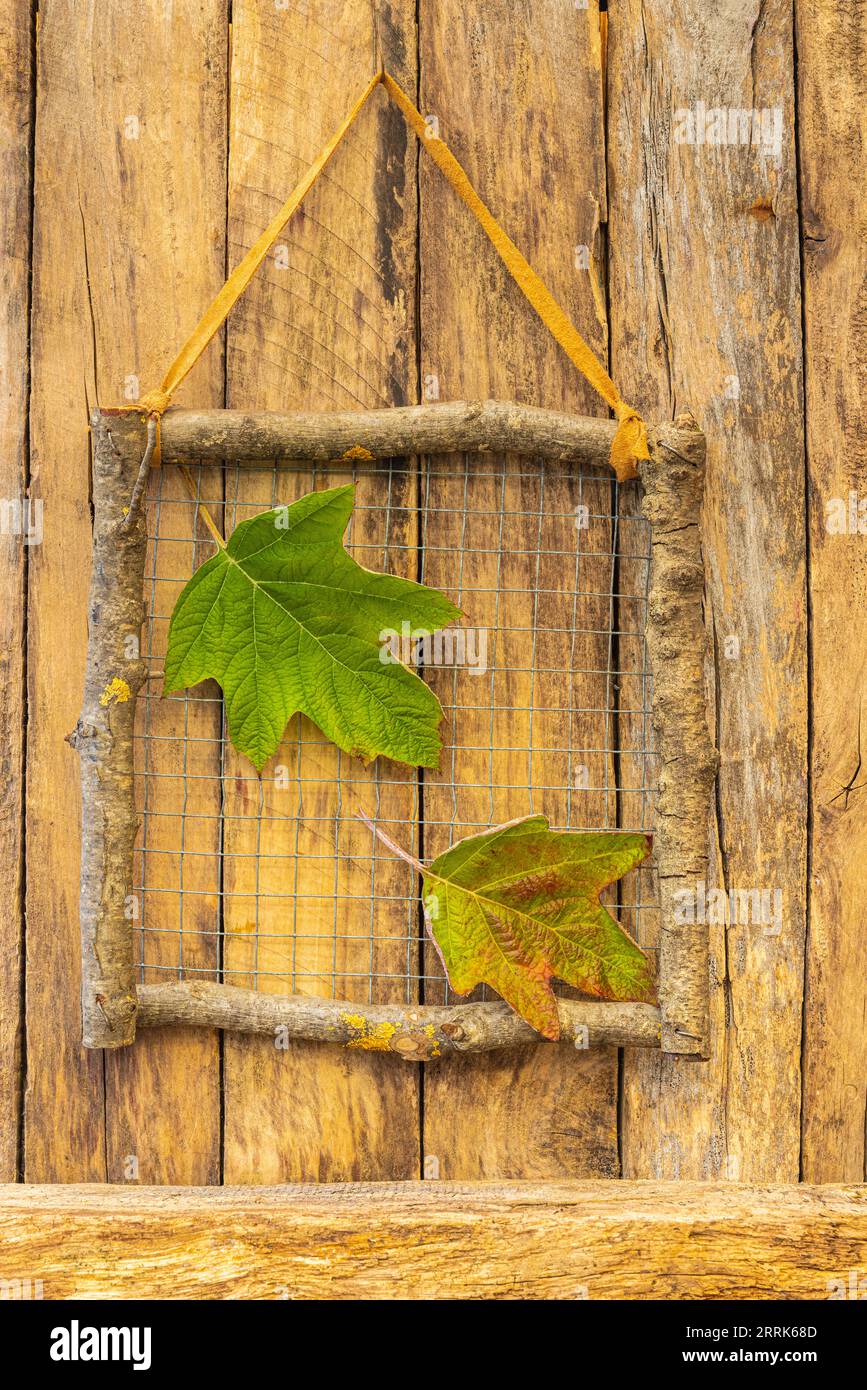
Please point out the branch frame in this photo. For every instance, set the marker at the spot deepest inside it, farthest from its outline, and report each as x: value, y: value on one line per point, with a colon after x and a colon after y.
x: 672, y: 480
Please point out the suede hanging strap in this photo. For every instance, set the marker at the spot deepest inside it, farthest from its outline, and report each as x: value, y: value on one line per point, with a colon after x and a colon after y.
x: 630, y: 441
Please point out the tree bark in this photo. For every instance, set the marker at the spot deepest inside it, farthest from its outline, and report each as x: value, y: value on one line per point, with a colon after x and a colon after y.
x: 103, y: 736
x: 673, y: 481
x: 416, y: 1033
x: 480, y: 427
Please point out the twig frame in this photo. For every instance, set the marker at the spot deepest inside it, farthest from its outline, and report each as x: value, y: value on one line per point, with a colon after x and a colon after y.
x: 672, y: 482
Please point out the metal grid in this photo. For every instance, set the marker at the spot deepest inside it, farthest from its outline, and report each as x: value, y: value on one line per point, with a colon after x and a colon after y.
x: 275, y: 884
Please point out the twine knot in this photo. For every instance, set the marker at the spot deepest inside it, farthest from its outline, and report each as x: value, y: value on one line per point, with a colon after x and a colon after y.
x: 155, y: 402
x: 629, y: 444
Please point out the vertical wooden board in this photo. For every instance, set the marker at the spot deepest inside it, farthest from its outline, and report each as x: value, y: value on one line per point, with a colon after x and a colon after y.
x: 128, y: 248
x: 518, y: 98
x: 20, y: 529
x: 705, y: 314
x: 832, y: 90
x: 163, y: 1095
x: 176, y: 867
x: 327, y: 323
x: 64, y: 1130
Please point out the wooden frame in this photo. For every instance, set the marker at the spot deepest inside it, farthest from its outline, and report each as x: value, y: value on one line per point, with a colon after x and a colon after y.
x: 428, y: 1240
x: 672, y: 481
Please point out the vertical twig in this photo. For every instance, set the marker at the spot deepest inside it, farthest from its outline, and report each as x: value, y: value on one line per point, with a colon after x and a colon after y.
x: 103, y: 736
x: 673, y: 486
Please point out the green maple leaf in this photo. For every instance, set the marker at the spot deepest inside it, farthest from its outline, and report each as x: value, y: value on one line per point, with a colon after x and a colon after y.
x: 285, y: 620
x: 519, y: 904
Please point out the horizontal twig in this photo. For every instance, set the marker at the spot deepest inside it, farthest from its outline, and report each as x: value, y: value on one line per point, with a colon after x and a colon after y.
x: 479, y: 427
x: 416, y: 1033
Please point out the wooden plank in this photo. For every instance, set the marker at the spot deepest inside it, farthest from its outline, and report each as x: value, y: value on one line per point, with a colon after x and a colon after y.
x: 420, y: 1241
x: 64, y: 1130
x: 163, y: 1094
x: 510, y: 92
x: 328, y: 323
x: 128, y: 247
x: 705, y: 314
x: 832, y: 127
x: 19, y: 526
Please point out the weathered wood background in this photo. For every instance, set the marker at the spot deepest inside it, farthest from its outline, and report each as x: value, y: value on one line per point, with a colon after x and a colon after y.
x: 424, y: 1240
x: 142, y: 148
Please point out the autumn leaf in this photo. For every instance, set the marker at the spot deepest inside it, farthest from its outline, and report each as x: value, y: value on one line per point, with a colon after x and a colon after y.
x: 519, y: 904
x: 285, y: 620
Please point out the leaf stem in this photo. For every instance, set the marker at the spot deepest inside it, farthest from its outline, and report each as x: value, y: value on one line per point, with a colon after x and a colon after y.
x: 203, y: 511
x: 395, y: 848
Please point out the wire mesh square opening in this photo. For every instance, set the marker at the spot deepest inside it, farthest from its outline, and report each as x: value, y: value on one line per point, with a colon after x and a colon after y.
x: 274, y: 884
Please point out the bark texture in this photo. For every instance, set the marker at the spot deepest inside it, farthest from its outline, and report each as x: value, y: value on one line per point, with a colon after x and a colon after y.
x: 416, y: 1033
x: 103, y: 735
x: 673, y: 481
x: 480, y: 427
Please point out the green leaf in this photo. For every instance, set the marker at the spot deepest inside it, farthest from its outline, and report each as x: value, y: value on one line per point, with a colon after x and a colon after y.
x: 519, y: 904
x: 285, y: 620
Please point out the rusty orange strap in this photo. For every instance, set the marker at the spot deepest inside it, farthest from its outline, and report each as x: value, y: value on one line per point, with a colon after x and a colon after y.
x: 630, y: 441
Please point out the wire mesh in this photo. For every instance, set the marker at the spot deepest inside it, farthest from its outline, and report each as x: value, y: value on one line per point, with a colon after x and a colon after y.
x: 274, y: 883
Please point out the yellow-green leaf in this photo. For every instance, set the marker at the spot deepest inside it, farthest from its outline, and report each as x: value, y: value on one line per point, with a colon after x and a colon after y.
x: 519, y: 904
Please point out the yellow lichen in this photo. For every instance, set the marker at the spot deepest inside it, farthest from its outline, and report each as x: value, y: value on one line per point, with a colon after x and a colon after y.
x: 358, y: 451
x: 117, y: 690
x: 355, y: 1020
x: 374, y: 1037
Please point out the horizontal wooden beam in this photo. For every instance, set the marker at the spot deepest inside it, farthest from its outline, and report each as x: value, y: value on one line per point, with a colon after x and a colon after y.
x: 431, y: 1240
x: 417, y: 1033
x: 479, y: 427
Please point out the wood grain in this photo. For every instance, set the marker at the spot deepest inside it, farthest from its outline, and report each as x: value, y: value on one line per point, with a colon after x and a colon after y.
x: 429, y: 1241
x: 704, y: 293
x: 705, y: 314
x: 128, y: 245
x: 328, y: 323
x: 163, y: 1099
x: 510, y: 89
x: 64, y: 1104
x: 16, y: 130
x: 832, y: 124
